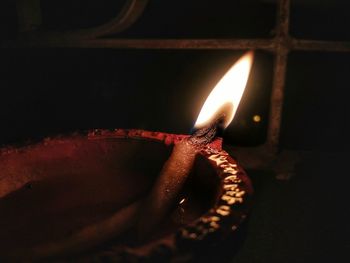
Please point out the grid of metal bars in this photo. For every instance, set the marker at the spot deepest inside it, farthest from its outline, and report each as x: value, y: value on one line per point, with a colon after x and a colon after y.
x: 280, y: 45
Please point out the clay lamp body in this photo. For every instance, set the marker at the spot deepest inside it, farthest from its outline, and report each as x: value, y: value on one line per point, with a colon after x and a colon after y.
x: 80, y: 197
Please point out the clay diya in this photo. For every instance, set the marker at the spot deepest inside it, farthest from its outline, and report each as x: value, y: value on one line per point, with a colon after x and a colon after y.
x: 126, y: 195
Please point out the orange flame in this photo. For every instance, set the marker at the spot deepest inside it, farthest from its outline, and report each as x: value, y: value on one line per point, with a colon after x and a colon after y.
x: 228, y: 91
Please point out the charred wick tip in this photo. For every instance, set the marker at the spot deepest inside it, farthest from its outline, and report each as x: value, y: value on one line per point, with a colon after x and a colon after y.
x: 207, y: 134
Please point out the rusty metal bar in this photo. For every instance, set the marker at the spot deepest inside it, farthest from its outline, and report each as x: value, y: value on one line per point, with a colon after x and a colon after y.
x: 279, y: 75
x: 318, y: 45
x: 282, y: 23
x: 234, y: 44
x: 214, y: 44
x: 229, y: 44
x: 276, y: 100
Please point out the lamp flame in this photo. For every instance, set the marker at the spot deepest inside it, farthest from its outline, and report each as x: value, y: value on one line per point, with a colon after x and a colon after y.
x: 227, y: 92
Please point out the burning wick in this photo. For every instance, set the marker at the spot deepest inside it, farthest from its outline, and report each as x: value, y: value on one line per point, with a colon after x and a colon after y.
x: 216, y: 114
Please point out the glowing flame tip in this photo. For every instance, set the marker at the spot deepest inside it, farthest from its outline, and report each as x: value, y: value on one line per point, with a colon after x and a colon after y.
x: 228, y: 91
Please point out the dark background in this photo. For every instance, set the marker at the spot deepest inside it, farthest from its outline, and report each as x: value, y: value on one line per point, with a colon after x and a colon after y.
x: 45, y: 92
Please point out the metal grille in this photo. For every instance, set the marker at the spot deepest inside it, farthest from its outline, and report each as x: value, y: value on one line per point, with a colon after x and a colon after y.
x: 280, y: 45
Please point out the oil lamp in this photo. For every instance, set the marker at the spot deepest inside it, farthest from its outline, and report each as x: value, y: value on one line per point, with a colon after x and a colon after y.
x: 127, y: 195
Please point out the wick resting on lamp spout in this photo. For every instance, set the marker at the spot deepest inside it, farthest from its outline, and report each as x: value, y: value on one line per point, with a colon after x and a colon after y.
x: 214, y: 128
x: 216, y: 114
x: 174, y: 174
